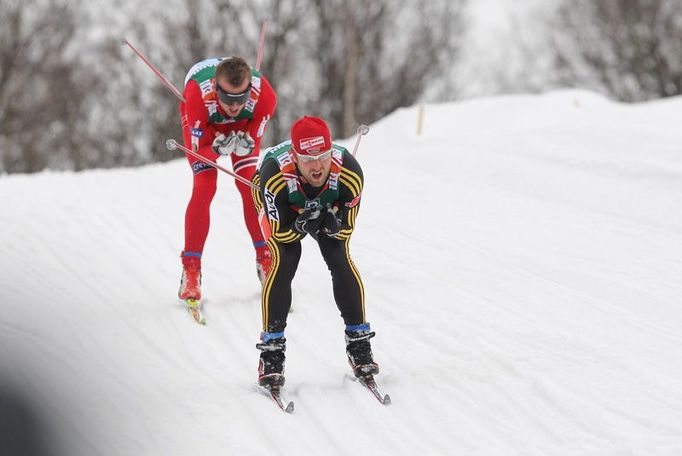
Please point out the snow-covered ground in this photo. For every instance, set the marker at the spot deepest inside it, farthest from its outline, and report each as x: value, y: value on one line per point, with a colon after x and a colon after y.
x: 522, y: 262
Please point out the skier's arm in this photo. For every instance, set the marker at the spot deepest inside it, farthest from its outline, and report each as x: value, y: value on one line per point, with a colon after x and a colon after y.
x: 275, y: 199
x: 195, y: 129
x: 351, y: 182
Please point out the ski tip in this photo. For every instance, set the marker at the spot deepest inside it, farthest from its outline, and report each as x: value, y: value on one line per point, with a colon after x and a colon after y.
x: 194, y: 308
x: 199, y: 320
x: 289, y: 408
x: 386, y: 400
x: 198, y: 317
x: 275, y: 393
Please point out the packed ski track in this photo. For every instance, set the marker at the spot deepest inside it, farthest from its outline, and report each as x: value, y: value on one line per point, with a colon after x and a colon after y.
x: 522, y: 264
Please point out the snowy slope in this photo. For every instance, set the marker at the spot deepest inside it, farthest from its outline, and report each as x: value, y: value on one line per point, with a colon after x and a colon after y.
x: 523, y: 280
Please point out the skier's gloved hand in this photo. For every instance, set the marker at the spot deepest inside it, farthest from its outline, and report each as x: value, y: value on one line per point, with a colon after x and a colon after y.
x: 245, y: 144
x: 331, y: 224
x: 309, y: 221
x: 225, y: 145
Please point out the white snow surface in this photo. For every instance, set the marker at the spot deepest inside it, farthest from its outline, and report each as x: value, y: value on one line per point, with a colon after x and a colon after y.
x: 522, y: 261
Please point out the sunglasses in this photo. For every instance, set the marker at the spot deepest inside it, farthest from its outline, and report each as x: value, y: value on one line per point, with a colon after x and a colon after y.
x: 233, y: 98
x: 312, y: 158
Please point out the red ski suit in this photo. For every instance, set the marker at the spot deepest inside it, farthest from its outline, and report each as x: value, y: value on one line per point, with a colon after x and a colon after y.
x: 197, y: 128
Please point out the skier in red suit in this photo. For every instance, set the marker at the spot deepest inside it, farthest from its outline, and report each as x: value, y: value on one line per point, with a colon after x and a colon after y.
x: 227, y: 107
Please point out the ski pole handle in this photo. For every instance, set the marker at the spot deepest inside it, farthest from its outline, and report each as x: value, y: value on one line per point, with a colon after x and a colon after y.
x: 362, y: 131
x: 172, y: 144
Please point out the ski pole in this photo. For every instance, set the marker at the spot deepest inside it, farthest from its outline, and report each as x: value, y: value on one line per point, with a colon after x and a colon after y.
x: 362, y: 130
x: 261, y: 40
x: 172, y: 144
x: 164, y: 79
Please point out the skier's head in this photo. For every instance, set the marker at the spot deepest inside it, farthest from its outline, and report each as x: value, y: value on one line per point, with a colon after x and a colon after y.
x: 311, y: 145
x: 233, y: 84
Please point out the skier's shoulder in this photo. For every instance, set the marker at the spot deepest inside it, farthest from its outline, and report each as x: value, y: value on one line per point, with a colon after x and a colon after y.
x: 204, y: 69
x: 279, y: 153
x: 274, y: 159
x: 349, y: 163
x: 268, y: 169
x: 267, y: 98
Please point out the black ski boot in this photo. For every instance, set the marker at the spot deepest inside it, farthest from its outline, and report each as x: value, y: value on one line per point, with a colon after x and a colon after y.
x: 271, y: 365
x: 359, y: 351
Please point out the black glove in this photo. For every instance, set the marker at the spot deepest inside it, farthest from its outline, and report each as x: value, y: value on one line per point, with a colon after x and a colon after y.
x: 309, y: 221
x: 331, y: 225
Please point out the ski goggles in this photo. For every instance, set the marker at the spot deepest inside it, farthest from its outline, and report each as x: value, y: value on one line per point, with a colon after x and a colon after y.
x: 233, y: 98
x: 312, y: 158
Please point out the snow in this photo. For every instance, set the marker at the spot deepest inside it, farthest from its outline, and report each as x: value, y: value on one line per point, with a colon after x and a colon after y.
x: 521, y: 261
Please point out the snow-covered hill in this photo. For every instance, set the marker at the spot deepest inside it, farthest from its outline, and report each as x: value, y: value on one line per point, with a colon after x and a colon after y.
x: 522, y: 263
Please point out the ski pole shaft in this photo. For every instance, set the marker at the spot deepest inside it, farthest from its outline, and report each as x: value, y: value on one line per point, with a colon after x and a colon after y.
x: 261, y: 41
x: 163, y: 78
x: 172, y: 144
x: 362, y: 131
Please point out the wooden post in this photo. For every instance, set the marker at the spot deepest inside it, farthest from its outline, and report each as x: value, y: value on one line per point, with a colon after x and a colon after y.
x: 420, y: 120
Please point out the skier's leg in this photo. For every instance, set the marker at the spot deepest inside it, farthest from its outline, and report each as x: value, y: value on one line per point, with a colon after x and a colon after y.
x: 246, y: 167
x: 349, y: 292
x: 276, y: 301
x: 197, y: 221
x: 276, y: 296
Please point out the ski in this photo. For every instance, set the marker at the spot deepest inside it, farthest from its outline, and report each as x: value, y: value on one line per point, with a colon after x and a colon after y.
x: 194, y: 309
x: 275, y: 393
x: 368, y: 382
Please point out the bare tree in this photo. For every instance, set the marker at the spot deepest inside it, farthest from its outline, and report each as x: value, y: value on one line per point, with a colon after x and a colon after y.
x: 41, y: 86
x: 374, y: 57
x: 74, y: 97
x: 627, y: 48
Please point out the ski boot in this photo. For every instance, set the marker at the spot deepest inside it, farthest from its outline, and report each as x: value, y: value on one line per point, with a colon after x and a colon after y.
x: 359, y: 350
x: 190, y: 282
x: 271, y: 364
x: 190, y: 287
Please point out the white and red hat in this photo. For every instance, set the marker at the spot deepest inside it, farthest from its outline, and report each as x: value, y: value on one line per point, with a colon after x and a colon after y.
x: 310, y: 136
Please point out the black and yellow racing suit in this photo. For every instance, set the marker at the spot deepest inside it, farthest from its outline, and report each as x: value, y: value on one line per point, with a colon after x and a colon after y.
x: 282, y: 206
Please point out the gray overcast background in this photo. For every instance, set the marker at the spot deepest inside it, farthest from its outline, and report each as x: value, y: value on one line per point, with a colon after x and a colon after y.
x: 73, y: 97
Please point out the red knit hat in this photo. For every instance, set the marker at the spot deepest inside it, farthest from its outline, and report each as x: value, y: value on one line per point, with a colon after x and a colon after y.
x: 310, y: 136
